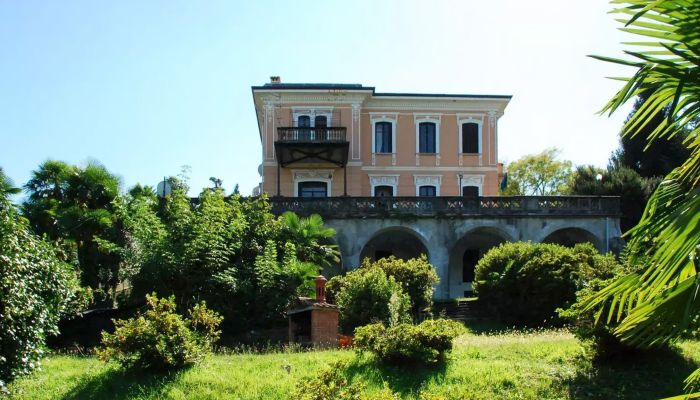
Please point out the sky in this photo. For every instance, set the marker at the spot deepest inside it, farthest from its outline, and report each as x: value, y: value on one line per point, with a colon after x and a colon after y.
x: 145, y: 87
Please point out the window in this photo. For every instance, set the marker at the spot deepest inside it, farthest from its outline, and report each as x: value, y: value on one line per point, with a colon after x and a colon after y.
x: 313, y: 189
x: 426, y: 137
x: 382, y: 138
x: 383, y: 191
x: 304, y: 121
x: 470, y: 191
x: 470, y: 138
x: 469, y: 261
x: 321, y: 121
x: 427, y: 191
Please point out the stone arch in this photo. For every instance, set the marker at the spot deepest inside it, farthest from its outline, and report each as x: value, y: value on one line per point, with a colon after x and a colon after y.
x: 399, y: 241
x: 572, y: 236
x: 466, y: 252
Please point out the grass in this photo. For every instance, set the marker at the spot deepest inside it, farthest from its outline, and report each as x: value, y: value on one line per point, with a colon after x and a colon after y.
x: 511, y: 365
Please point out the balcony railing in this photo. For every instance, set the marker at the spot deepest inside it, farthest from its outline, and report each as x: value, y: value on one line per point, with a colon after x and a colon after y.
x: 315, y: 134
x: 449, y: 207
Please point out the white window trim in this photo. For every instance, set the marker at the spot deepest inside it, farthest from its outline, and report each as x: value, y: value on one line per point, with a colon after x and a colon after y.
x: 384, y: 180
x: 471, y: 180
x: 479, y: 123
x: 384, y: 117
x: 312, y: 113
x: 316, y: 175
x: 420, y: 118
x: 427, y: 180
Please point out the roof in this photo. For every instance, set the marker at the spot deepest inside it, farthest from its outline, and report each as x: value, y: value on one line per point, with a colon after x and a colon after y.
x: 357, y: 86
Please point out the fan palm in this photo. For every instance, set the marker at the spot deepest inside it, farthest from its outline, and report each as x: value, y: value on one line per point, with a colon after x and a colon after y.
x: 312, y: 238
x: 656, y: 305
x: 7, y: 187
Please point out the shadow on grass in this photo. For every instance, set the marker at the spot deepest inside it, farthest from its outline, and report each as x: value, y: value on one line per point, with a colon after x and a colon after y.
x: 119, y: 384
x: 403, y: 379
x: 652, y: 375
x: 486, y: 326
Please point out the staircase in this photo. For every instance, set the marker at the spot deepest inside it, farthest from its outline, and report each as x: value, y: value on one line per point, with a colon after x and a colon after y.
x: 460, y: 310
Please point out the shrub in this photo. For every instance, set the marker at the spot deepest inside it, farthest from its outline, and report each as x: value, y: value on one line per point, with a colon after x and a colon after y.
x: 331, y: 384
x: 161, y: 339
x: 524, y: 283
x: 416, y: 277
x: 596, y: 334
x: 368, y: 295
x: 424, y: 343
x: 36, y: 289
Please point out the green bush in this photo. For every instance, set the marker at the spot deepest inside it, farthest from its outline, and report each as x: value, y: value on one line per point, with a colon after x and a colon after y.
x: 161, y: 339
x: 424, y: 343
x: 416, y: 277
x: 525, y: 283
x: 368, y: 295
x: 331, y: 384
x: 595, y: 333
x: 36, y: 289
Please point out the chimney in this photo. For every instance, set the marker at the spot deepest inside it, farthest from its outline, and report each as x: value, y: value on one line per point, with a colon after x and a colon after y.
x: 275, y: 80
x: 321, y: 289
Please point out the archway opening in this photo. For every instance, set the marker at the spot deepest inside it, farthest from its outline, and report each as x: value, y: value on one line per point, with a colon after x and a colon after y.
x: 466, y: 254
x: 570, y: 237
x: 399, y: 243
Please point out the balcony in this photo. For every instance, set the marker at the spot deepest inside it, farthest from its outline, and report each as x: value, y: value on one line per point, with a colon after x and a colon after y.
x: 449, y: 207
x: 312, y: 145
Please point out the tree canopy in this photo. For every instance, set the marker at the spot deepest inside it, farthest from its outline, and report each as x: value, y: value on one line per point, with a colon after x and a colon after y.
x: 538, y: 175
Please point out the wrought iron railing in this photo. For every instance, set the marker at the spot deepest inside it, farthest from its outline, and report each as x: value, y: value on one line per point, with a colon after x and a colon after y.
x: 312, y: 134
x: 383, y: 207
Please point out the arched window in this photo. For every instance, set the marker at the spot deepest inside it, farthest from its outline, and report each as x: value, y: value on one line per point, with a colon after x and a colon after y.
x: 321, y: 121
x: 470, y: 191
x: 304, y: 121
x: 313, y: 189
x: 470, y: 138
x: 383, y: 191
x: 426, y: 137
x: 383, y: 138
x: 427, y: 191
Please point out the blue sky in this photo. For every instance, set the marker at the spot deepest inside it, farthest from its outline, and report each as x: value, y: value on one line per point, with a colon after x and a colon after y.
x: 148, y: 86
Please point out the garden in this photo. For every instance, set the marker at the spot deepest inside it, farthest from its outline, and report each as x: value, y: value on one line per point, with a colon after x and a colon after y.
x: 193, y: 289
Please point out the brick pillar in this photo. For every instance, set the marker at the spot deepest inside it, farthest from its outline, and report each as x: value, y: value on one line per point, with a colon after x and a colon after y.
x: 324, y: 327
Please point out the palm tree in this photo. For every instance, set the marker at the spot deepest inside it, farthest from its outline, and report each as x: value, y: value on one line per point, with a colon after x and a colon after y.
x: 7, y: 187
x: 312, y: 239
x: 658, y: 304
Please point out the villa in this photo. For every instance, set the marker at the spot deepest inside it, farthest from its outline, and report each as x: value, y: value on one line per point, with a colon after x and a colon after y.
x: 409, y: 173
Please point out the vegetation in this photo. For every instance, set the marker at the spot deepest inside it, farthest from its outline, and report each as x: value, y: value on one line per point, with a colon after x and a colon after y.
x: 633, y: 189
x: 513, y: 365
x: 416, y: 276
x: 160, y: 339
x: 525, y: 283
x: 368, y: 295
x: 36, y: 289
x: 659, y: 303
x: 72, y: 206
x: 538, y: 175
x: 427, y: 342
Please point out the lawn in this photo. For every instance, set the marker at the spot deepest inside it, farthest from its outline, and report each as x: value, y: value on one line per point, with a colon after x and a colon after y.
x: 516, y: 365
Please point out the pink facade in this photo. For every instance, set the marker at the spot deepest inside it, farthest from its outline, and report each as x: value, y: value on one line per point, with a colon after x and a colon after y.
x: 390, y: 143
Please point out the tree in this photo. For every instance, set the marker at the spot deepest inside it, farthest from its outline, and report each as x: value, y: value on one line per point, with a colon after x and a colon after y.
x: 312, y: 238
x: 634, y: 190
x: 7, y: 187
x: 658, y: 304
x: 649, y: 157
x: 538, y: 175
x: 73, y: 207
x: 36, y: 289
